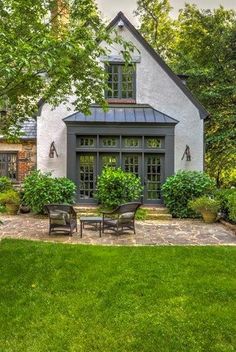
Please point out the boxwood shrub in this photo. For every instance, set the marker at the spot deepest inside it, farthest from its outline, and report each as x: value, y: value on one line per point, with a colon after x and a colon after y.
x: 41, y: 188
x: 116, y: 187
x: 179, y: 189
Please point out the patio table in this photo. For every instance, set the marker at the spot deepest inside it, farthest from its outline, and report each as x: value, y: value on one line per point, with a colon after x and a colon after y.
x: 92, y: 220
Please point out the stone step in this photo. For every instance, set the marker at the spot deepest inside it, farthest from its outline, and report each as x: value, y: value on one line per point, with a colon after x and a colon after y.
x: 161, y: 210
x: 152, y: 213
x: 158, y: 217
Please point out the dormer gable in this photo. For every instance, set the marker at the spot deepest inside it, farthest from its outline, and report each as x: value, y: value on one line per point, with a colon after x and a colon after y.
x: 120, y: 22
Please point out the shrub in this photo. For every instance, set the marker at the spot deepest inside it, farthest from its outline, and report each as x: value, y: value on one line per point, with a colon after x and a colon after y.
x: 115, y: 187
x: 41, y: 188
x: 2, y: 209
x: 10, y: 197
x: 179, y: 189
x: 5, y: 184
x: 205, y: 204
x: 232, y: 207
x: 227, y: 198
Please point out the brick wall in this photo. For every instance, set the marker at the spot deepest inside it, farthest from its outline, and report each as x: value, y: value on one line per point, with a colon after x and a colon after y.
x: 26, y: 154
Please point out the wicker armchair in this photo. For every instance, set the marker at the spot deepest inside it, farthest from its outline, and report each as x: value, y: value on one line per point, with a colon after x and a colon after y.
x: 120, y: 218
x: 62, y: 218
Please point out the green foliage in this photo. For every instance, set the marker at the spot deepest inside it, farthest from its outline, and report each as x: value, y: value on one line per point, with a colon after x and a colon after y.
x: 50, y: 57
x: 141, y: 214
x: 2, y: 210
x: 41, y: 189
x: 207, y: 54
x: 227, y: 198
x: 10, y: 197
x: 204, y: 204
x: 203, y: 47
x: 116, y: 187
x: 232, y: 207
x: 5, y: 184
x: 157, y: 26
x: 179, y: 189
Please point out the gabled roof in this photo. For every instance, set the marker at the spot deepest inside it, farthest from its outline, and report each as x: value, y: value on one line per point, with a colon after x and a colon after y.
x: 133, y: 113
x: 29, y: 129
x: 120, y: 16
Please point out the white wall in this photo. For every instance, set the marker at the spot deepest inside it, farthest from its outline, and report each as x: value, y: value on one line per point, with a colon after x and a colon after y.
x: 154, y: 87
x: 50, y: 127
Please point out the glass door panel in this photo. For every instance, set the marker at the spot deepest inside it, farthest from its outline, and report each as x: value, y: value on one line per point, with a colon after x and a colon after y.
x: 153, y: 178
x: 87, y: 176
x: 109, y: 160
x: 131, y: 163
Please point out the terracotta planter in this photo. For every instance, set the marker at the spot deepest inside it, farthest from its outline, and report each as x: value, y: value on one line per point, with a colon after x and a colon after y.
x: 12, y: 209
x: 24, y: 209
x: 209, y: 217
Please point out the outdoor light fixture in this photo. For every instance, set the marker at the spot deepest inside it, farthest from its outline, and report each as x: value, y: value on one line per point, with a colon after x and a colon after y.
x: 121, y: 24
x: 52, y: 150
x: 187, y: 153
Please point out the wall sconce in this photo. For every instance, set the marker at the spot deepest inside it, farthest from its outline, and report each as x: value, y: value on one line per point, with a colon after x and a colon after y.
x: 187, y: 153
x: 52, y: 150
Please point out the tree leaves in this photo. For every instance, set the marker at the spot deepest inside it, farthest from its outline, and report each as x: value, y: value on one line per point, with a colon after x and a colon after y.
x: 44, y: 56
x: 204, y: 47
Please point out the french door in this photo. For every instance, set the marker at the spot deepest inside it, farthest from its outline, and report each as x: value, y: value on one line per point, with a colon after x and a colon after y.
x: 150, y: 169
x: 132, y: 163
x: 108, y: 160
x: 87, y: 177
x: 153, y: 178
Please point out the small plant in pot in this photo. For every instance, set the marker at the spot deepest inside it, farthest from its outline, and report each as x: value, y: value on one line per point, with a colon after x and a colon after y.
x: 207, y: 207
x: 11, y: 200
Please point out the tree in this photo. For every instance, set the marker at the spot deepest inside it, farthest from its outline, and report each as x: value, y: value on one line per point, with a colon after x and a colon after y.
x: 157, y: 27
x: 48, y: 52
x: 206, y: 50
x: 203, y: 47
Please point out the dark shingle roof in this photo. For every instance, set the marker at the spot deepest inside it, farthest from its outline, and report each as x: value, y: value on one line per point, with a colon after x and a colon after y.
x: 123, y: 114
x: 29, y: 129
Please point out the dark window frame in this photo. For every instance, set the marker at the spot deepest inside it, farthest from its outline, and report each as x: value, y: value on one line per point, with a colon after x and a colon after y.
x: 119, y: 73
x: 15, y: 153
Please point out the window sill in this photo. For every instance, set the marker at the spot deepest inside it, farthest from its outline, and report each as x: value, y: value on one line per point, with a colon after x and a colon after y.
x: 121, y: 101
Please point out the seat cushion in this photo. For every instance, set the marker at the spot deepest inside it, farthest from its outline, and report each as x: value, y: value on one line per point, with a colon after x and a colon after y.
x: 126, y: 217
x: 59, y: 217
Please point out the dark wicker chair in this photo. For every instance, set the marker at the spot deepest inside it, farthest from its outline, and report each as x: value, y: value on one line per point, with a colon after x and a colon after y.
x: 120, y: 218
x: 62, y: 218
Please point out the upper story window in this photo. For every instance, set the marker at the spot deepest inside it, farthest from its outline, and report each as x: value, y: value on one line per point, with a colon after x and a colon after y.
x: 121, y: 82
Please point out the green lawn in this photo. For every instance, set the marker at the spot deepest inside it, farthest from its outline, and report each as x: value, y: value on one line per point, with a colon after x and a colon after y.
x: 57, y: 297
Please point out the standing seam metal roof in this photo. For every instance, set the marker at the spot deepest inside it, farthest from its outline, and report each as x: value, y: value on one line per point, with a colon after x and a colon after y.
x: 122, y: 114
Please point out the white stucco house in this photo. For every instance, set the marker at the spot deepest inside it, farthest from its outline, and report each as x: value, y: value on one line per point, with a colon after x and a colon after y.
x: 152, y: 117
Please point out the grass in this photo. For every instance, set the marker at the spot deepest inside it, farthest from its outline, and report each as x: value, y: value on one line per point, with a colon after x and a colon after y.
x: 56, y: 297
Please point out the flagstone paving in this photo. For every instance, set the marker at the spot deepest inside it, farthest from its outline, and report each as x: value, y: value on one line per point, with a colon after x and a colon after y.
x: 149, y: 232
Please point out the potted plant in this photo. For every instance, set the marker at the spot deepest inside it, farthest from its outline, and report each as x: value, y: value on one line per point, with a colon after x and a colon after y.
x: 11, y: 200
x: 207, y: 207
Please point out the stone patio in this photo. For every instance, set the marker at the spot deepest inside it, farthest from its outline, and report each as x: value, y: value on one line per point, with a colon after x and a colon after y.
x: 149, y: 232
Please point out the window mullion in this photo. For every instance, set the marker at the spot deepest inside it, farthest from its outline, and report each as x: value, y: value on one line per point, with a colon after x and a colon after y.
x: 120, y: 81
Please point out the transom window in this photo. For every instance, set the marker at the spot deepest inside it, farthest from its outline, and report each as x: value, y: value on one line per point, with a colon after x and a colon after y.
x: 121, y: 82
x: 8, y: 165
x: 109, y: 142
x: 153, y: 143
x: 132, y: 142
x: 87, y: 142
